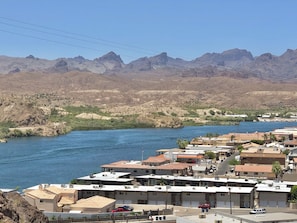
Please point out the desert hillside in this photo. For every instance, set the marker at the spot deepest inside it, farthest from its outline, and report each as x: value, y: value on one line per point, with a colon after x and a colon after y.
x: 155, y: 92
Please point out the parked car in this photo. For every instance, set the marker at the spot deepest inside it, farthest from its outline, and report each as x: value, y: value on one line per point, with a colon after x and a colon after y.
x: 128, y: 208
x: 118, y: 209
x: 123, y: 208
x: 258, y: 211
x: 204, y: 206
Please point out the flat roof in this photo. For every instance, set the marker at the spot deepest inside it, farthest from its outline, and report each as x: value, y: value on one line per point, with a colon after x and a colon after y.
x: 138, y: 165
x: 108, y: 176
x: 198, y: 179
x: 166, y: 188
x: 273, y: 187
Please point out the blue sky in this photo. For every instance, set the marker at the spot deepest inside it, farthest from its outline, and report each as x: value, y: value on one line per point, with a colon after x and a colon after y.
x: 138, y: 28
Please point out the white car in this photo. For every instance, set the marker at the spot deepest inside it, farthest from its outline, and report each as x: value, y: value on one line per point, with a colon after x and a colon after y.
x: 258, y: 211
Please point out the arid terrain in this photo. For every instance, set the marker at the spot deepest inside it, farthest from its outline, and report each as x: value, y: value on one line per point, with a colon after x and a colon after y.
x: 164, y: 96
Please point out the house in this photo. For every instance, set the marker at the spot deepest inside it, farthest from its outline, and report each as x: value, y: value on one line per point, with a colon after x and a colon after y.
x: 43, y: 200
x: 94, y: 204
x: 156, y: 160
x: 138, y: 168
x: 51, y: 198
x: 221, y: 152
x: 241, y: 138
x: 261, y: 157
x: 290, y: 143
x: 189, y: 158
x: 286, y: 133
x: 255, y: 171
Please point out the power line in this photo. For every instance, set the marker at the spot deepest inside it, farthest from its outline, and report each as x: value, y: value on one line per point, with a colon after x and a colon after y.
x: 48, y: 40
x: 71, y: 35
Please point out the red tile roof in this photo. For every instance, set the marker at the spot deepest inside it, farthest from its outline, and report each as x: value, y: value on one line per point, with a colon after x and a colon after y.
x: 253, y: 168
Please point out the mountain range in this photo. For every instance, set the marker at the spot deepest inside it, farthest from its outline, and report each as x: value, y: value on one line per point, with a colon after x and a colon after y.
x: 233, y: 63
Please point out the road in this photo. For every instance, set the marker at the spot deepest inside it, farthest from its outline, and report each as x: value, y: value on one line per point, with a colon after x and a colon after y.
x: 223, y: 167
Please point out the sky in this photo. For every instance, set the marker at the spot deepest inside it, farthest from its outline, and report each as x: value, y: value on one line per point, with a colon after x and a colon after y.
x: 185, y: 29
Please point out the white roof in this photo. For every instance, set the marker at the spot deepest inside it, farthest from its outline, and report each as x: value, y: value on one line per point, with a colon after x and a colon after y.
x: 273, y: 187
x: 166, y: 188
x: 108, y: 176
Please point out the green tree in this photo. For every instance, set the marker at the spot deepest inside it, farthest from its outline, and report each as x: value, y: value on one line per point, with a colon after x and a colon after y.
x: 276, y: 169
x: 182, y: 143
x: 210, y: 155
x: 272, y: 137
x: 240, y: 148
x: 234, y: 162
x: 286, y: 151
x: 265, y: 137
x: 211, y: 135
x: 232, y: 138
x: 294, y: 193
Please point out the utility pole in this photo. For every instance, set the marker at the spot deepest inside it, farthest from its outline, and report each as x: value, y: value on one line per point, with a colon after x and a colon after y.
x: 230, y: 200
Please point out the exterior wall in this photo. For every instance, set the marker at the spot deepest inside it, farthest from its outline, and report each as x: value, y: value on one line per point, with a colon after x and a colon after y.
x: 270, y: 199
x: 262, y: 160
x: 223, y: 200
x: 246, y: 201
x: 130, y: 197
x: 158, y: 198
x: 192, y: 199
x: 186, y: 199
x: 90, y: 193
x: 30, y: 200
x: 107, y: 208
x: 71, y: 196
x: 255, y: 174
x: 42, y: 204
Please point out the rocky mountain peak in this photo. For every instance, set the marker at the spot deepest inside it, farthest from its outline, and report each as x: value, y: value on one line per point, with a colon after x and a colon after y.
x: 290, y: 55
x: 160, y: 59
x: 237, y: 54
x: 111, y: 56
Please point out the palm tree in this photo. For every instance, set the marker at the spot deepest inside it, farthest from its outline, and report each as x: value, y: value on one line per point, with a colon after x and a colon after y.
x: 232, y: 138
x: 276, y: 169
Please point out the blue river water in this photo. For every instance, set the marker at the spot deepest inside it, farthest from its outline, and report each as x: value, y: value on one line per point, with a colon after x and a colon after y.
x: 25, y: 162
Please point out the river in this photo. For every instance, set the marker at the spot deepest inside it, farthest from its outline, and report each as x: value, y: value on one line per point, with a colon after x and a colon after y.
x: 29, y: 161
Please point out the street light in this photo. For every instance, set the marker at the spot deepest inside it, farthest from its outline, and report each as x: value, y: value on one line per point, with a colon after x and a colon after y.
x: 230, y: 200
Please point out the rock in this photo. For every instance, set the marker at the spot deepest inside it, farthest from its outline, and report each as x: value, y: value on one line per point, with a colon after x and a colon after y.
x: 14, y: 209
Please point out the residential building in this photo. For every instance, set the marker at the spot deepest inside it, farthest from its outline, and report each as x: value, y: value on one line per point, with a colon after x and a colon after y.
x: 51, y: 198
x: 255, y: 171
x: 106, y: 178
x: 262, y: 157
x: 94, y: 204
x: 138, y: 168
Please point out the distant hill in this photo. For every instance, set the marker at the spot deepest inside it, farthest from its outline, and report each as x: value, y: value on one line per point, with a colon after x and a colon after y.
x: 157, y: 91
x: 235, y: 62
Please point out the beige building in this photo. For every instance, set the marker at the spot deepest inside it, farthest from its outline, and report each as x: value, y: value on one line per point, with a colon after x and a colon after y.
x: 138, y: 168
x: 94, y: 204
x: 254, y: 171
x: 51, y: 198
